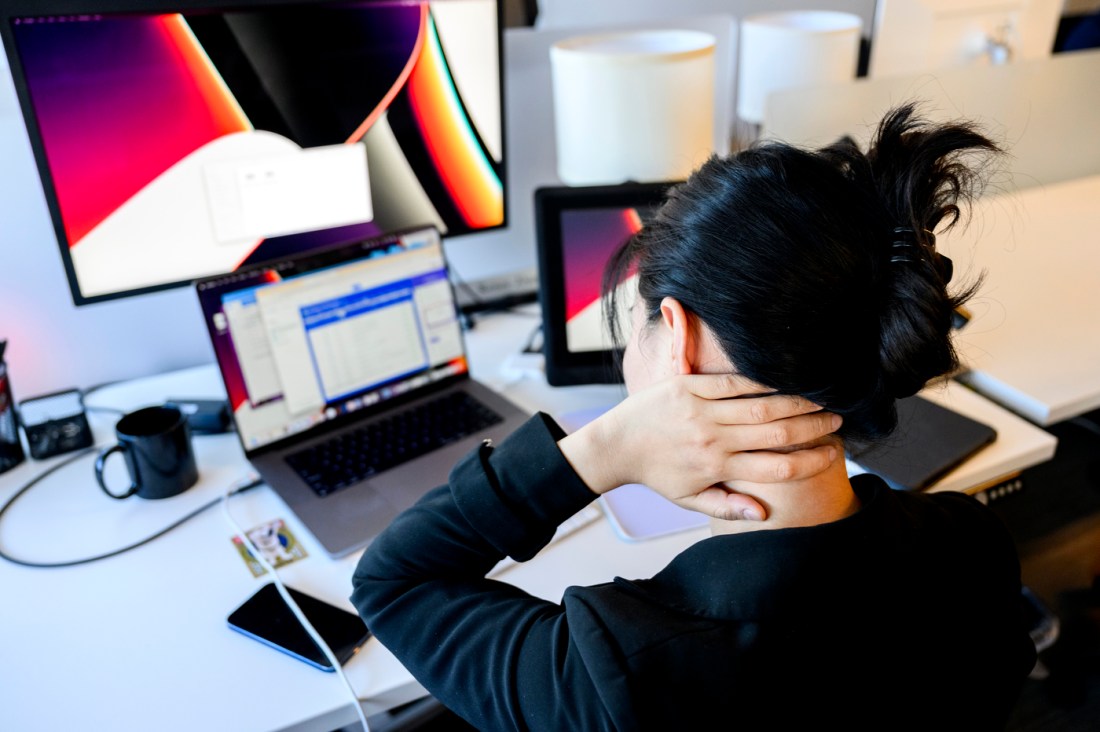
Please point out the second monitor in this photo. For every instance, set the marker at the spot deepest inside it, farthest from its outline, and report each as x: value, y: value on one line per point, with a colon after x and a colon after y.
x: 578, y: 229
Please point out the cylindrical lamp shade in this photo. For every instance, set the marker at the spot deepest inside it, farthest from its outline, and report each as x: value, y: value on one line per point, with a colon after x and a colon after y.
x: 791, y: 49
x: 635, y: 106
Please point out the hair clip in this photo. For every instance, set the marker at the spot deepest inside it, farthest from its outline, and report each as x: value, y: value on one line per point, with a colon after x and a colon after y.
x: 904, y: 251
x: 907, y: 247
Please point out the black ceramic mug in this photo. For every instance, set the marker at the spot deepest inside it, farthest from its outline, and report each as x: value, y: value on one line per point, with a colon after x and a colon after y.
x: 156, y: 443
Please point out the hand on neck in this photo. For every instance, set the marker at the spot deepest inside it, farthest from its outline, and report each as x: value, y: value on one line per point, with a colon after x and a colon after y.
x: 678, y: 342
x: 821, y: 499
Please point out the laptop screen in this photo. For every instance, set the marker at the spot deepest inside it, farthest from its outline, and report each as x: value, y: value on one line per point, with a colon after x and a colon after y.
x: 306, y: 341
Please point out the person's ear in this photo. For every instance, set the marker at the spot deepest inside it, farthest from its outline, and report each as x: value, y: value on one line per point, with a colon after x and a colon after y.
x: 683, y: 340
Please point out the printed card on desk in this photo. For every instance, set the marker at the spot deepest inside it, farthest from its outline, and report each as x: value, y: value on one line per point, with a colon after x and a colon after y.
x: 275, y: 540
x: 635, y: 511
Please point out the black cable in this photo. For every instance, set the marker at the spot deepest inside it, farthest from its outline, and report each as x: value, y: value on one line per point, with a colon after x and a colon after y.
x: 533, y: 339
x: 97, y: 387
x: 109, y: 410
x: 1086, y: 424
x: 507, y: 304
x: 462, y: 284
x: 67, y: 461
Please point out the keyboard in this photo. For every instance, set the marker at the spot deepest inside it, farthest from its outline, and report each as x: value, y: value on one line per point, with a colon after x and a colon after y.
x: 351, y: 456
x: 570, y: 526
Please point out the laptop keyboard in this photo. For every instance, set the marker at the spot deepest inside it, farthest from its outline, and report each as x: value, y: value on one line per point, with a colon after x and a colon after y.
x: 352, y: 456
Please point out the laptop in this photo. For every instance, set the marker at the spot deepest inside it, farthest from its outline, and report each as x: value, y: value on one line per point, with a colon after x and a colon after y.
x: 348, y: 380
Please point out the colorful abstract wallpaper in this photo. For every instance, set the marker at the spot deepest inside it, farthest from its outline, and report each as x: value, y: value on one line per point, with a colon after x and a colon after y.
x: 147, y: 124
x: 589, y: 238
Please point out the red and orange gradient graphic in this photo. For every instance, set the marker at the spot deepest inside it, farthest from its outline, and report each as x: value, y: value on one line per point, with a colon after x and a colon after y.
x: 589, y: 238
x: 467, y: 175
x: 158, y: 123
x: 225, y: 115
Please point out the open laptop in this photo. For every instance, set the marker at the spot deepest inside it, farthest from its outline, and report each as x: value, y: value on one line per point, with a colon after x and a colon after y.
x: 348, y: 380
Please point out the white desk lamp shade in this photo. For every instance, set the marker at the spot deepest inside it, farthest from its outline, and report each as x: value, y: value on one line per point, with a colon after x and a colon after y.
x: 791, y: 49
x: 635, y: 106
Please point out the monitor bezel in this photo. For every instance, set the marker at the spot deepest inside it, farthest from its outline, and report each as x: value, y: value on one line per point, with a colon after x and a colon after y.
x: 24, y: 8
x: 564, y: 367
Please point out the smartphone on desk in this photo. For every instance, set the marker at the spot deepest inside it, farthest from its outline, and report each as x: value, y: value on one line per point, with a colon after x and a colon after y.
x: 267, y: 618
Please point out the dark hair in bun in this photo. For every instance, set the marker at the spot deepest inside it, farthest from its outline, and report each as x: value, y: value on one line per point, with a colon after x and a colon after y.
x: 817, y: 270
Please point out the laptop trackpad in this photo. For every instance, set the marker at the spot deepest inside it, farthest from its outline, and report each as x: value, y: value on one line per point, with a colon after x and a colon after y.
x: 347, y: 517
x: 405, y: 484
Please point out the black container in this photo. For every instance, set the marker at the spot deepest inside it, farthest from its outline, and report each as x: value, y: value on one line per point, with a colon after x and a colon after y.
x: 55, y: 423
x: 11, y: 450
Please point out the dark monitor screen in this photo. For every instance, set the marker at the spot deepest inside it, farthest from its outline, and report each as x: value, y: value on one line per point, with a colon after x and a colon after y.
x: 578, y: 229
x: 178, y: 141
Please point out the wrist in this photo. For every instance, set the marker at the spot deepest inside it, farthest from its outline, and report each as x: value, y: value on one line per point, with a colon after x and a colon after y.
x: 588, y: 452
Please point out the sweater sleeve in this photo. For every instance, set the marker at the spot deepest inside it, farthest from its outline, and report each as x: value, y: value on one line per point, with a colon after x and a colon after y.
x: 497, y: 656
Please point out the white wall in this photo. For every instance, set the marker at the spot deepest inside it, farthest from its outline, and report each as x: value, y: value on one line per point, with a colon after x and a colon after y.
x: 1046, y: 112
x: 566, y: 13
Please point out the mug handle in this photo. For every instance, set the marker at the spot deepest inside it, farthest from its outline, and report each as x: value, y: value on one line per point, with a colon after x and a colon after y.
x: 99, y: 461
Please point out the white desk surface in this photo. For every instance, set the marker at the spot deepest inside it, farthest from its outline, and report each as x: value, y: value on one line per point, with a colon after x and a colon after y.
x: 1034, y: 342
x: 139, y: 641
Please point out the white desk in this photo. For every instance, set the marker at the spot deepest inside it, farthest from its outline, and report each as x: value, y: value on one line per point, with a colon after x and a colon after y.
x: 1034, y: 342
x: 140, y: 642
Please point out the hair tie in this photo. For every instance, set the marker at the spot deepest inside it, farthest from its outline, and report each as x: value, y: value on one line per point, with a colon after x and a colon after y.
x: 907, y: 248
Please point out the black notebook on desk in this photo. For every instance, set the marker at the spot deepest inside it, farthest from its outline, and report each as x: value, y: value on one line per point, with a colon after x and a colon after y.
x: 930, y: 440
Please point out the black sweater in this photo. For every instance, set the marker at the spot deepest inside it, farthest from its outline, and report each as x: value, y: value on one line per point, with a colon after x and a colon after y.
x: 905, y: 615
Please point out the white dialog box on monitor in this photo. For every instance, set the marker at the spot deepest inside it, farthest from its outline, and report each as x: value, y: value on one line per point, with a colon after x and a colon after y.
x: 289, y: 192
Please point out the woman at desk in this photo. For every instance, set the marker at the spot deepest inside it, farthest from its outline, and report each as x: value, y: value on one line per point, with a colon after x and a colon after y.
x: 796, y: 278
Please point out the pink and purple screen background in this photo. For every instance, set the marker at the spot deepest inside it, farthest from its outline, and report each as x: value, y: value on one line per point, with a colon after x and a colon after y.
x: 120, y: 99
x: 589, y: 238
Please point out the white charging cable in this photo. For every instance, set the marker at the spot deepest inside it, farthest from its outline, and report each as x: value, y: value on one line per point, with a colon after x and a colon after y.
x: 259, y: 555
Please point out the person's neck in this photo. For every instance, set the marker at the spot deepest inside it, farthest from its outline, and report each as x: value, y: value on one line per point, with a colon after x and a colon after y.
x: 821, y: 499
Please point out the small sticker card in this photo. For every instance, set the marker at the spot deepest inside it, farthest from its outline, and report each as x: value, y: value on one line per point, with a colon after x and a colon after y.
x: 277, y: 543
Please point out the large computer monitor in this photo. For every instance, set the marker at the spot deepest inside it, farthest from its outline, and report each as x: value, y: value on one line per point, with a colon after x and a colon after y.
x: 918, y: 36
x: 178, y: 139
